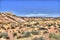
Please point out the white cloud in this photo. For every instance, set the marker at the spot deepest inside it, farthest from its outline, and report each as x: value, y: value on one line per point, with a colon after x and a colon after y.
x: 30, y: 15
x: 41, y: 15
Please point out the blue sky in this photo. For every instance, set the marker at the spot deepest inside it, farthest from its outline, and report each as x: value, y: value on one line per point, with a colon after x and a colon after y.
x: 49, y: 8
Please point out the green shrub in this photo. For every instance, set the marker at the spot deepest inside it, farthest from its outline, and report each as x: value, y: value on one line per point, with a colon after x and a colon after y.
x: 5, y: 35
x: 36, y: 23
x: 26, y: 34
x: 22, y: 32
x: 14, y: 34
x: 28, y: 25
x: 54, y: 36
x: 50, y: 35
x: 34, y: 32
x: 38, y: 38
x: 18, y: 37
x: 0, y: 35
x: 45, y: 32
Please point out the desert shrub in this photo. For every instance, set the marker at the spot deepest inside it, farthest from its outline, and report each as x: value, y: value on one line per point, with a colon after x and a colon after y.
x: 54, y: 25
x: 42, y: 28
x: 1, y: 25
x: 55, y: 28
x: 54, y: 36
x: 22, y: 32
x: 38, y: 38
x: 58, y: 25
x: 5, y: 35
x: 18, y: 37
x: 26, y: 34
x: 19, y: 31
x: 34, y: 32
x: 58, y: 29
x: 49, y: 27
x: 0, y: 35
x: 35, y: 38
x: 49, y: 24
x: 28, y: 25
x: 41, y: 38
x: 13, y: 25
x: 45, y: 32
x: 32, y: 26
x: 36, y: 23
x: 14, y: 34
x: 50, y: 35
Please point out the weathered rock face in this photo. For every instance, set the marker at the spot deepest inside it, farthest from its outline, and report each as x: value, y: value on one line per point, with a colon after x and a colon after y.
x: 8, y: 22
x: 8, y: 17
x: 14, y: 27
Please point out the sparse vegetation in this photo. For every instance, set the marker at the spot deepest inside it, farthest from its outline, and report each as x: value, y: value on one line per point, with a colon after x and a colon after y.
x: 4, y: 35
x: 54, y: 36
x: 34, y: 32
x: 26, y: 34
x: 29, y: 27
x: 38, y: 38
x: 2, y: 26
x: 0, y: 35
x: 18, y: 37
x: 13, y: 25
x: 58, y: 29
x: 35, y: 38
x: 36, y: 23
x: 41, y: 38
x: 45, y: 32
x: 14, y: 34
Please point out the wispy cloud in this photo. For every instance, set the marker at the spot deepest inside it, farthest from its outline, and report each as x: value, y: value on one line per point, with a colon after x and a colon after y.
x: 35, y: 15
x: 40, y: 15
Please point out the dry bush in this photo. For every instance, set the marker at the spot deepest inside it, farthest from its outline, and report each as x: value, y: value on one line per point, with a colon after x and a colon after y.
x: 34, y: 32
